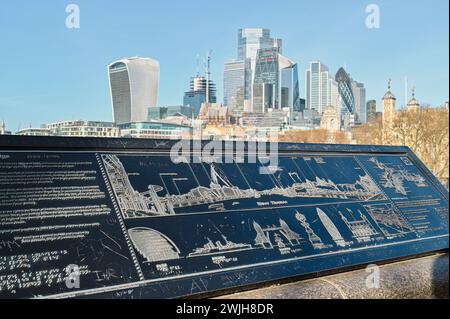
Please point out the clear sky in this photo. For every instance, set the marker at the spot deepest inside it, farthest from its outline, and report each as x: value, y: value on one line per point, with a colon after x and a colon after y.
x: 51, y: 73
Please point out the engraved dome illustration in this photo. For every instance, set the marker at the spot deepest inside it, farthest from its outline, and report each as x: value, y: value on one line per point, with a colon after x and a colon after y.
x: 153, y: 245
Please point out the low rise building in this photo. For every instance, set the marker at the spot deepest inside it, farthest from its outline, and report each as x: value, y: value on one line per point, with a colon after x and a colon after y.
x: 273, y: 120
x: 215, y: 114
x: 35, y: 132
x: 331, y: 120
x: 83, y: 129
x: 161, y: 113
x: 156, y: 130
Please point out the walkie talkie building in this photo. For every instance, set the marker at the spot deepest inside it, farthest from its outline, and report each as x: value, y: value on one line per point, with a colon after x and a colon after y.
x: 134, y: 85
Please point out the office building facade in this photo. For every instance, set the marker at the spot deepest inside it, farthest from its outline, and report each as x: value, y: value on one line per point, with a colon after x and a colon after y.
x: 345, y: 88
x: 371, y: 110
x: 83, y: 129
x: 317, y: 85
x: 250, y: 41
x: 156, y: 130
x: 276, y: 84
x: 334, y: 98
x: 234, y: 79
x: 35, y: 132
x: 161, y: 113
x: 201, y: 91
x: 359, y: 92
x: 134, y: 85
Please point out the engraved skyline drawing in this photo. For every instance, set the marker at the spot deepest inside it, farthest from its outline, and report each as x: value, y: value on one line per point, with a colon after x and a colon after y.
x: 150, y: 203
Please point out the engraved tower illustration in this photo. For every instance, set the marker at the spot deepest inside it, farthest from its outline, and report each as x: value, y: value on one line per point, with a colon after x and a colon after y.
x: 312, y: 236
x: 331, y: 229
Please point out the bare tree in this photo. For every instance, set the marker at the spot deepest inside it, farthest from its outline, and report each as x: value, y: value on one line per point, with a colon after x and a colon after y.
x: 424, y: 130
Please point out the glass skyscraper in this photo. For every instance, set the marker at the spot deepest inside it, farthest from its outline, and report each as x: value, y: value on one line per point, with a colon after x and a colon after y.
x: 353, y: 96
x: 290, y: 85
x: 266, y: 83
x: 317, y: 87
x: 234, y: 85
x: 261, y: 78
x: 253, y: 39
x: 197, y: 95
x: 250, y: 41
x: 276, y: 84
x: 371, y: 110
x: 346, y: 91
x: 359, y: 91
x: 134, y: 85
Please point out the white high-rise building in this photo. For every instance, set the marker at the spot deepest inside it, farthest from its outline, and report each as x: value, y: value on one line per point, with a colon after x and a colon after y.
x: 334, y: 98
x: 317, y: 87
x: 134, y: 85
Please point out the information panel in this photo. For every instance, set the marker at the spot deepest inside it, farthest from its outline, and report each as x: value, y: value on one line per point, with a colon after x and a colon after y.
x: 89, y: 218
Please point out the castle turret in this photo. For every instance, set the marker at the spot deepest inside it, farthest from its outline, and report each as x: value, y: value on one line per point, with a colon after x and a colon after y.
x: 413, y: 104
x: 389, y: 101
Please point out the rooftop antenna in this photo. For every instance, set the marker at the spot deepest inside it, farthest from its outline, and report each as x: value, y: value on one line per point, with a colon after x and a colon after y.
x: 208, y: 74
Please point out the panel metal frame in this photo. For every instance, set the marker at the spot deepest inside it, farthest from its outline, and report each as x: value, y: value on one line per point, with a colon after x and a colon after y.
x: 241, y: 278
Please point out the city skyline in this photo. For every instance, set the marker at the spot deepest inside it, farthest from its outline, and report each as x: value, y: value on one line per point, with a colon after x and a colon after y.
x: 81, y: 91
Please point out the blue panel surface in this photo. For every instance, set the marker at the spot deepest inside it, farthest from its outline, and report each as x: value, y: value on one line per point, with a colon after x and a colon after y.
x: 134, y: 224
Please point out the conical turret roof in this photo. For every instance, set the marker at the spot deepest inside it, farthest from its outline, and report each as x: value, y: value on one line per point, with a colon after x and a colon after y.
x: 389, y: 95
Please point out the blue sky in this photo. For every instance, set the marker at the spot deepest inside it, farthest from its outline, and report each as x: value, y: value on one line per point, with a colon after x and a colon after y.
x: 51, y: 73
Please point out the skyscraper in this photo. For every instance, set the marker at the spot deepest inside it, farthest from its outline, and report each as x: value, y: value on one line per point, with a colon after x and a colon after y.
x: 290, y: 85
x: 276, y: 84
x: 371, y: 110
x: 250, y: 41
x: 266, y: 82
x: 134, y: 84
x: 334, y: 98
x: 317, y: 87
x: 198, y: 93
x: 346, y: 91
x: 359, y: 92
x: 234, y: 85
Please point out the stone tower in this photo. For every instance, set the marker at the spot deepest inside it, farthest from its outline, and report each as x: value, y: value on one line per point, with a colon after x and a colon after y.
x: 389, y: 101
x: 413, y: 104
x: 331, y: 121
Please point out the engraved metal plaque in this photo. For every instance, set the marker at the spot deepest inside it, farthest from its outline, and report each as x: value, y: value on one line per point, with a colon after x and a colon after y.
x: 118, y: 218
